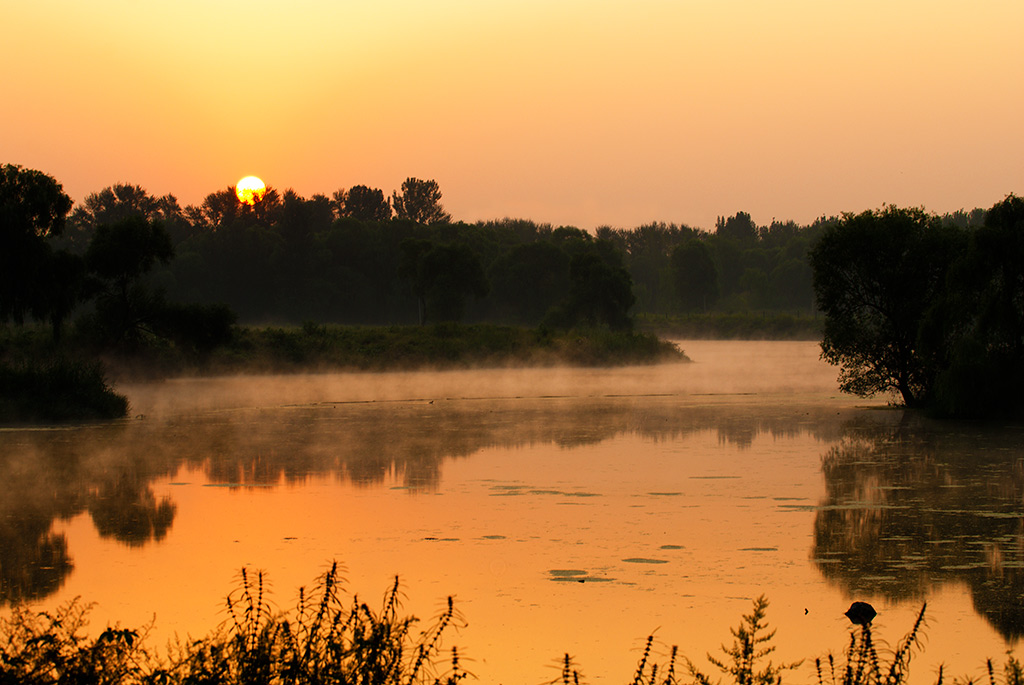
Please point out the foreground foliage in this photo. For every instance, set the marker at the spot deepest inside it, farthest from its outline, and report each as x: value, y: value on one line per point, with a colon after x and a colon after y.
x: 331, y: 638
x: 327, y: 638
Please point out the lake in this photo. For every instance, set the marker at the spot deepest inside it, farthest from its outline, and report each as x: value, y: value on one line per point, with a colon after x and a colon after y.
x: 566, y: 510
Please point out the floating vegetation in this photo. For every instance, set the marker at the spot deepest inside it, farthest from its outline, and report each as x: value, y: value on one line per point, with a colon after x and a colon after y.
x: 671, y: 547
x: 644, y: 560
x: 577, y: 575
x: 507, y: 490
x: 566, y: 572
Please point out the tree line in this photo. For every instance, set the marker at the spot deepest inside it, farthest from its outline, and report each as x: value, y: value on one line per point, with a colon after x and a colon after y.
x: 360, y: 257
x: 127, y: 265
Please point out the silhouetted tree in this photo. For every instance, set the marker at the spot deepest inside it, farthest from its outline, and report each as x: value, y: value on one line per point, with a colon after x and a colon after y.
x: 223, y: 209
x: 876, y: 274
x: 364, y: 203
x: 737, y: 227
x: 420, y: 201
x: 119, y: 202
x: 33, y: 207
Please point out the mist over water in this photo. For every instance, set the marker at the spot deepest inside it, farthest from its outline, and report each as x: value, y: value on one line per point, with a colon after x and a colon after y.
x: 717, y: 368
x: 676, y: 493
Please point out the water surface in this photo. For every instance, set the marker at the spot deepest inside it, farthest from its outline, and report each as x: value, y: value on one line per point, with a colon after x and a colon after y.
x: 566, y: 510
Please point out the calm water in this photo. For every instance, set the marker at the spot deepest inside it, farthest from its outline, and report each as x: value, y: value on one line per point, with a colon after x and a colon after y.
x: 677, y: 493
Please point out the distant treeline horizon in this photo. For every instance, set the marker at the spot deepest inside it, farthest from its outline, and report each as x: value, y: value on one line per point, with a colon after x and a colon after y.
x: 290, y: 259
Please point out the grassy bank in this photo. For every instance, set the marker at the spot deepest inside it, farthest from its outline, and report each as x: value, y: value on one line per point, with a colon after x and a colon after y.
x: 737, y: 326
x: 42, y: 381
x: 315, y: 347
x: 333, y: 638
x: 58, y: 390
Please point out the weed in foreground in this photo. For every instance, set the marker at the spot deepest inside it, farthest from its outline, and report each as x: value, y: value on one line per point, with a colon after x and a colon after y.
x: 44, y: 648
x: 325, y: 640
x: 328, y: 639
x: 865, y: 665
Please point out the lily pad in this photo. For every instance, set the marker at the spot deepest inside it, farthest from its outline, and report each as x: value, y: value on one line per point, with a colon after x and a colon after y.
x: 644, y: 560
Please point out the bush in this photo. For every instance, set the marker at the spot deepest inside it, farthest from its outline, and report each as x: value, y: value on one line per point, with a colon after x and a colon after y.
x: 60, y: 390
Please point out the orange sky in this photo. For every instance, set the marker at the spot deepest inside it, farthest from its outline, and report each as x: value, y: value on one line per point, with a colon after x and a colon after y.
x: 580, y: 112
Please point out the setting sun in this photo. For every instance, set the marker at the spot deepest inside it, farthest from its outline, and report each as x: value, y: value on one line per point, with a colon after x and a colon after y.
x: 250, y: 190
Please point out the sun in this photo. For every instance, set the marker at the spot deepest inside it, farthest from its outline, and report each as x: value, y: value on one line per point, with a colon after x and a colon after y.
x: 250, y: 190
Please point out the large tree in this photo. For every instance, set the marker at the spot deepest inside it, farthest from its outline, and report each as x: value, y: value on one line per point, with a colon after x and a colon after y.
x: 876, y: 276
x: 363, y: 203
x: 420, y: 201
x: 33, y: 207
x: 119, y: 202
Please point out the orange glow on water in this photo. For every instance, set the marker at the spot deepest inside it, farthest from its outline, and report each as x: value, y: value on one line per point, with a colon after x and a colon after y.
x: 677, y: 493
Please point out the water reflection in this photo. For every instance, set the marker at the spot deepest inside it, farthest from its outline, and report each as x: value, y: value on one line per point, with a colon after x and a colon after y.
x: 911, y: 504
x: 58, y: 474
x: 107, y: 470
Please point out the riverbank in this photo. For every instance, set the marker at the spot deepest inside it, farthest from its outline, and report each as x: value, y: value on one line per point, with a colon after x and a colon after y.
x: 314, y: 348
x: 59, y: 390
x: 33, y: 387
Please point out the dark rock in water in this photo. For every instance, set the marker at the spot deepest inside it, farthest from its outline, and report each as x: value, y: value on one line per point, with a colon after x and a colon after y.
x: 860, y: 613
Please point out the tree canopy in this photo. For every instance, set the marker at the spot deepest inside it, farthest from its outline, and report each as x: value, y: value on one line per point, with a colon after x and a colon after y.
x: 876, y: 275
x: 420, y: 201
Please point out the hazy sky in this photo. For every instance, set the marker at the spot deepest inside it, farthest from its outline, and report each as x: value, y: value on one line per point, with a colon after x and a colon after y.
x: 577, y: 112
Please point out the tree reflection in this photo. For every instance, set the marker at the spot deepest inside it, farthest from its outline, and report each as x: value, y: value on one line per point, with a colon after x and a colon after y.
x: 33, y: 561
x: 56, y: 475
x: 911, y: 504
x: 108, y: 471
x: 127, y: 510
